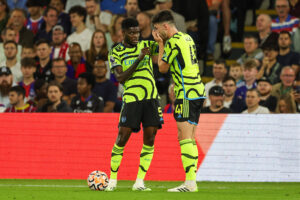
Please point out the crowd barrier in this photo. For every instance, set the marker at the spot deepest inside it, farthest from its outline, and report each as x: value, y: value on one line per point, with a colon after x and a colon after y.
x: 70, y: 146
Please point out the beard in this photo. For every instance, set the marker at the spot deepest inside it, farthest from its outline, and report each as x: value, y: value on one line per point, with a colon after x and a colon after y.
x: 264, y: 93
x: 4, y: 88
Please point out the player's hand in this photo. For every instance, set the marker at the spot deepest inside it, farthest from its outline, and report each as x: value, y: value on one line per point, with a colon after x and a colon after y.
x: 145, y: 51
x: 156, y: 36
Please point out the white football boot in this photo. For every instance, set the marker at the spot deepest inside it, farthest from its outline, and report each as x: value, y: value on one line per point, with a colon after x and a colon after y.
x: 112, y: 185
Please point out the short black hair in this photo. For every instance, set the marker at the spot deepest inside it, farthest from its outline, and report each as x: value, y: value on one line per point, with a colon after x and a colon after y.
x: 19, y: 90
x: 270, y: 46
x: 251, y: 36
x: 163, y: 16
x: 220, y: 61
x: 89, y: 77
x: 28, y: 62
x: 57, y: 84
x: 10, y: 42
x: 38, y: 84
x: 129, y: 22
x: 48, y: 9
x: 42, y: 41
x: 228, y: 78
x: 58, y: 60
x: 286, y: 32
x: 79, y: 10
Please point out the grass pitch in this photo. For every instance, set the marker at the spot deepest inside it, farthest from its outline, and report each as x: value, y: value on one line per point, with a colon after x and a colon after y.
x: 78, y: 190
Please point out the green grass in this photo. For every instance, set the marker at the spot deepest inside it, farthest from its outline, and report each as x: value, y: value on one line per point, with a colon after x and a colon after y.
x: 77, y: 189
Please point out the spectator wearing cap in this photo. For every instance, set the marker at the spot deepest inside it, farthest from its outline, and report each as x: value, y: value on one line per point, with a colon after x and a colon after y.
x: 11, y: 51
x: 59, y: 70
x: 178, y: 18
x: 17, y: 101
x: 50, y: 20
x: 59, y: 47
x: 63, y: 18
x: 8, y: 34
x: 104, y: 88
x: 270, y: 68
x: 6, y: 82
x: 77, y: 64
x: 28, y: 68
x: 216, y: 97
x: 252, y: 102
x: 249, y: 73
x: 16, y: 21
x: 229, y: 87
x: 264, y: 88
x: 219, y: 73
x: 82, y: 34
x: 96, y: 19
x: 35, y: 19
x: 43, y: 51
x: 251, y: 49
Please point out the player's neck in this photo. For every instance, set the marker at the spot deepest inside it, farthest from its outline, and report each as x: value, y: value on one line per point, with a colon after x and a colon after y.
x: 172, y: 31
x: 28, y: 80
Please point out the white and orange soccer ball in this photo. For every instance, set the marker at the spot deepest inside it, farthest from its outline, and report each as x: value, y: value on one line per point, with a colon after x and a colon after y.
x: 97, y: 180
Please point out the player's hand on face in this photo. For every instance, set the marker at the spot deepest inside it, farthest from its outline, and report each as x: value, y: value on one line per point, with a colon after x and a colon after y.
x: 145, y: 51
x: 156, y: 36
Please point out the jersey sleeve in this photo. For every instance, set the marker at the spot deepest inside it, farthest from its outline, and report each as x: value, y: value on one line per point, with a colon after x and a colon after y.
x: 113, y: 60
x: 170, y: 52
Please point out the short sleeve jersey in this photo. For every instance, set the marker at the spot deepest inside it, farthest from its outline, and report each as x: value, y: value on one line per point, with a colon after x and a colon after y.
x: 141, y: 85
x: 180, y: 53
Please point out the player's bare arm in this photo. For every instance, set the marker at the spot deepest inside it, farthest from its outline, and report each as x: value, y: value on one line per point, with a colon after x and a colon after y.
x: 121, y: 75
x: 163, y: 66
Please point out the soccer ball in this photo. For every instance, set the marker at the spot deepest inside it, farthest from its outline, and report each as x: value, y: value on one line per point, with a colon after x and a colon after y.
x: 97, y: 180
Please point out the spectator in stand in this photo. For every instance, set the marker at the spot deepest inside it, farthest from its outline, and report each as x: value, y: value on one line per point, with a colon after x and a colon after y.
x: 264, y: 88
x: 144, y: 20
x: 169, y: 108
x: 11, y: 51
x: 28, y: 51
x: 296, y: 93
x: 4, y: 15
x: 20, y: 4
x: 63, y: 18
x: 284, y: 89
x: 76, y: 64
x: 59, y: 70
x: 115, y: 30
x: 50, y: 20
x: 40, y: 89
x: 60, y: 47
x: 6, y: 82
x: 16, y: 21
x: 251, y: 49
x: 214, y: 18
x: 252, y: 101
x: 72, y: 3
x: 132, y: 8
x: 219, y: 73
x: 216, y: 97
x: 43, y: 51
x: 178, y: 18
x: 249, y: 72
x: 270, y: 67
x: 28, y: 68
x: 284, y: 21
x: 96, y: 19
x: 104, y: 88
x: 17, y: 101
x: 236, y: 72
x: 229, y: 87
x: 115, y: 7
x: 86, y: 101
x: 286, y: 56
x: 35, y: 19
x: 265, y: 34
x: 82, y: 34
x: 294, y: 8
x: 98, y: 47
x: 284, y: 106
x: 55, y: 102
x: 7, y: 35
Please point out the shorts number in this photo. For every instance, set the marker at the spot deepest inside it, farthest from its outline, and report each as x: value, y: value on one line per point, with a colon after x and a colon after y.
x: 178, y: 109
x: 160, y: 112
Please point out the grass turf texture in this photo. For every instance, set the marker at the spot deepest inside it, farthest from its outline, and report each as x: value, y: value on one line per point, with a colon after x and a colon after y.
x: 77, y: 189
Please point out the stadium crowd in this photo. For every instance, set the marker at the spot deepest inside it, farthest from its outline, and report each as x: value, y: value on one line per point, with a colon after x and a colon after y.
x: 54, y: 54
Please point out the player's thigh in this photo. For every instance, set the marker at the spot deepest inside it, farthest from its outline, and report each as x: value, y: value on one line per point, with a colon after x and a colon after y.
x: 185, y: 130
x: 131, y: 115
x: 152, y: 114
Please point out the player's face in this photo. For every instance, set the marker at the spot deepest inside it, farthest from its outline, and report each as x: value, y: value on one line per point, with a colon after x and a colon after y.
x: 100, y: 69
x: 13, y: 98
x: 132, y: 35
x: 252, y: 99
x: 82, y: 86
x: 54, y: 94
x: 161, y: 30
x: 28, y: 71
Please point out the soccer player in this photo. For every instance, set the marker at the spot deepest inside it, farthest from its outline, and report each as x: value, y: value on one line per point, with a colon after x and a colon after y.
x: 131, y: 63
x: 177, y: 52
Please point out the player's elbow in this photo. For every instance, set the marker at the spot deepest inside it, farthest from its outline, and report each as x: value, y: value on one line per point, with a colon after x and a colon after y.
x: 163, y: 70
